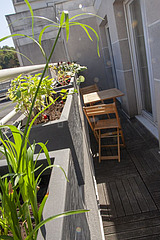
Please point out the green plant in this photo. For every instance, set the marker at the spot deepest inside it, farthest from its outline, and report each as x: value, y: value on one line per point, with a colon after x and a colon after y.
x: 22, y: 91
x: 65, y: 71
x: 19, y: 187
x: 70, y: 67
x: 8, y: 58
x: 19, y: 194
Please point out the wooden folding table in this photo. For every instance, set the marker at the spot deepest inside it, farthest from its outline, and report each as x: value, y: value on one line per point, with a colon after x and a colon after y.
x: 94, y: 97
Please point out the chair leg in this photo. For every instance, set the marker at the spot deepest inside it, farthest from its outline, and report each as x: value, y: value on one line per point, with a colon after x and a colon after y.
x: 99, y: 145
x: 118, y: 143
x: 121, y: 132
x: 96, y: 136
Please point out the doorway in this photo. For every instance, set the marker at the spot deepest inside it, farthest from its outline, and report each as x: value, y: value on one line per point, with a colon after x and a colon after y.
x: 141, y: 71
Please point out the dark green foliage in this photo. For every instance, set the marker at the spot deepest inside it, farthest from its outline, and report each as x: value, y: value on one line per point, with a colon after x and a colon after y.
x: 8, y: 58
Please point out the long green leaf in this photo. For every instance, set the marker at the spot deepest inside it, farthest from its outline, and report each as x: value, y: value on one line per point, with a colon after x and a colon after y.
x: 62, y: 18
x: 40, y: 210
x: 8, y: 153
x: 35, y: 96
x: 9, y: 50
x: 33, y: 200
x: 33, y: 120
x: 87, y: 26
x: 36, y: 169
x: 42, y: 31
x: 39, y: 17
x: 51, y: 166
x: 67, y: 24
x: 5, y: 151
x: 32, y: 15
x: 16, y: 133
x: 85, y: 29
x: 47, y: 19
x: 82, y: 14
x: 45, y: 150
x: 12, y: 210
x: 54, y: 217
x: 6, y: 237
x: 23, y: 35
x: 4, y: 225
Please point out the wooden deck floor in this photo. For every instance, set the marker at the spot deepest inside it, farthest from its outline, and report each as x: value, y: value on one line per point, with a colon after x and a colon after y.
x: 129, y: 191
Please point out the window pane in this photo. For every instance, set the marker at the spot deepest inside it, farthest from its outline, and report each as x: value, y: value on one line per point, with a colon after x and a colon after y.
x: 138, y: 33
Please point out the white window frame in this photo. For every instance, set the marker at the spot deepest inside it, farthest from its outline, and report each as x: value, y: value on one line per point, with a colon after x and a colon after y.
x: 152, y: 117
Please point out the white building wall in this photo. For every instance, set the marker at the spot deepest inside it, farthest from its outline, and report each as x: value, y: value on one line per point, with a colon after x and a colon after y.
x: 79, y: 46
x: 82, y: 50
x: 113, y: 12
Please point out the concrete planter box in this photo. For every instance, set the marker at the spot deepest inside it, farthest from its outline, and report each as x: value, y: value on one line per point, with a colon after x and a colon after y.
x: 64, y: 133
x: 64, y: 196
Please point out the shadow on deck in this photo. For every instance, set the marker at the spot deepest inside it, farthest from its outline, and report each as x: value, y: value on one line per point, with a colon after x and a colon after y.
x: 129, y: 191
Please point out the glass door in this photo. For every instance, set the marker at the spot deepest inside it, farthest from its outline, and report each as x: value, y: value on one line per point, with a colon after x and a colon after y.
x: 139, y: 57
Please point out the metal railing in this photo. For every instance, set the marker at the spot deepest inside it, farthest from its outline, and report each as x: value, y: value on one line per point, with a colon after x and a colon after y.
x: 6, y: 75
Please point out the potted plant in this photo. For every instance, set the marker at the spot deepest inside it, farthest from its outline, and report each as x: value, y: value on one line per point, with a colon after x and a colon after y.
x: 20, y: 186
x: 64, y: 74
x: 59, y: 115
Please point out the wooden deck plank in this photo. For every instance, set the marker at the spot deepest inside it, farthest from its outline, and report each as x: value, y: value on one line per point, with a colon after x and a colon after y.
x: 143, y: 162
x: 144, y: 133
x: 103, y: 201
x: 148, y: 198
x: 137, y: 233
x: 112, y: 209
x: 151, y: 161
x: 139, y: 196
x: 132, y: 226
x: 117, y: 200
x: 137, y: 163
x: 132, y: 218
x: 114, y: 173
x: 124, y: 198
x: 150, y: 237
x: 152, y: 182
x: 131, y: 196
x: 102, y: 198
x: 155, y: 151
x: 156, y: 197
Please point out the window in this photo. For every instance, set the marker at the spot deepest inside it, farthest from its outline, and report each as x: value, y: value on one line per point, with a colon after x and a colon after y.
x: 139, y: 56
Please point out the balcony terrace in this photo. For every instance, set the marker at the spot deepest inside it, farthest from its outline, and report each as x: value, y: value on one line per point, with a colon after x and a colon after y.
x: 129, y: 191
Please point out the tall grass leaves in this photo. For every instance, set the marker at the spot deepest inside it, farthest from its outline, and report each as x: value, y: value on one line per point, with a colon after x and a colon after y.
x: 68, y: 213
x: 67, y: 24
x: 32, y: 15
x: 24, y: 35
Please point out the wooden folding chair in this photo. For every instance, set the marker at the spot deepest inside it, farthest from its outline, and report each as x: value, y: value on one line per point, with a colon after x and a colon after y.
x: 105, y: 128
x: 89, y: 89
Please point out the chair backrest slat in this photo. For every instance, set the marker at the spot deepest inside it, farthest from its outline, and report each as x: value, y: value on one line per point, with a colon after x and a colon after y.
x: 100, y: 109
x: 89, y: 89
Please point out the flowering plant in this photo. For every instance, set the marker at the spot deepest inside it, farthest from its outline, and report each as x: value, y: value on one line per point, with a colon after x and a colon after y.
x: 69, y: 67
x: 63, y: 71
